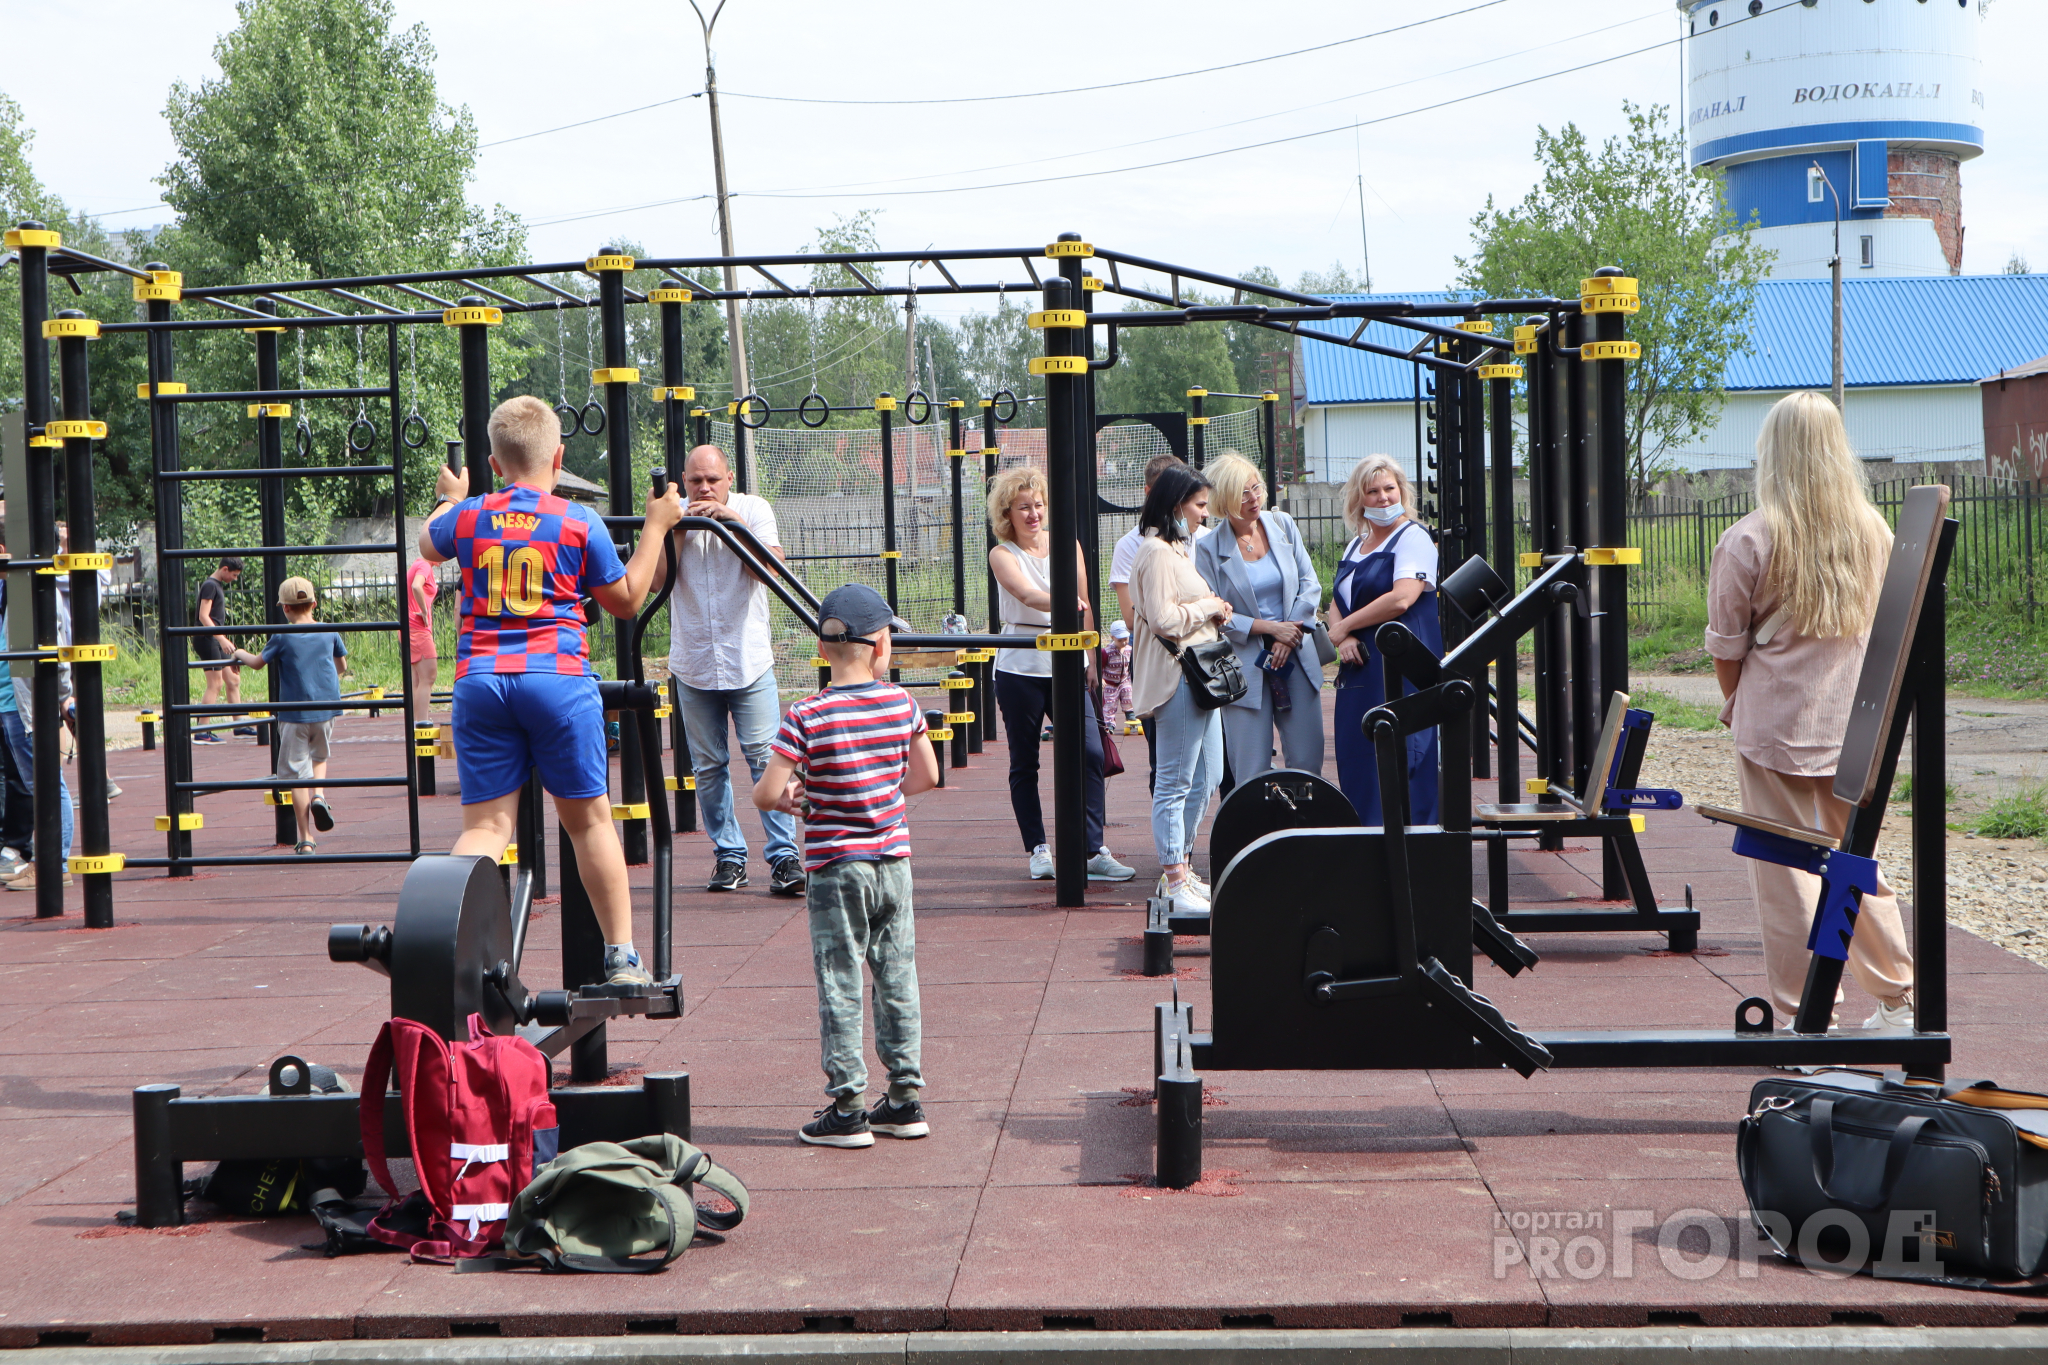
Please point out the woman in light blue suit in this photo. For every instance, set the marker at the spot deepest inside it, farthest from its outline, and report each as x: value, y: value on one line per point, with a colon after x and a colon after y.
x: 1259, y: 563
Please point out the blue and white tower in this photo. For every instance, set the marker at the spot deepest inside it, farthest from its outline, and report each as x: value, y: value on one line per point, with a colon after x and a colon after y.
x: 1886, y: 95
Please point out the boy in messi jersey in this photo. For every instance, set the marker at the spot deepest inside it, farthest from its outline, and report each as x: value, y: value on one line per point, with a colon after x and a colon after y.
x: 525, y: 695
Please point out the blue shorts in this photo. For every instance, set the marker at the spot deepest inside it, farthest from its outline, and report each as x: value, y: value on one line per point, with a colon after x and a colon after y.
x: 509, y: 723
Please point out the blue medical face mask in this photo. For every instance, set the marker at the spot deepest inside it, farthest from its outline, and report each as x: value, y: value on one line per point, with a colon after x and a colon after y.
x: 1382, y: 516
x: 1181, y: 525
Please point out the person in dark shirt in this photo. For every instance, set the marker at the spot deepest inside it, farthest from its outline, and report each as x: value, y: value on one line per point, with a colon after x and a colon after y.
x: 309, y: 668
x: 218, y: 649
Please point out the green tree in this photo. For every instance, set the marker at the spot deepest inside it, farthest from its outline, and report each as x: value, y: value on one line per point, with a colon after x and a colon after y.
x: 1636, y: 203
x: 1158, y: 365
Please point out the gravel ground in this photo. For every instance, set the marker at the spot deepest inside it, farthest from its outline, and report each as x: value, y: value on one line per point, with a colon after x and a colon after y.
x: 1997, y: 888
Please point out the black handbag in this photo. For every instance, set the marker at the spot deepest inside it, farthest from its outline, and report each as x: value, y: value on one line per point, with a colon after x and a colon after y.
x: 1859, y: 1171
x: 1212, y: 671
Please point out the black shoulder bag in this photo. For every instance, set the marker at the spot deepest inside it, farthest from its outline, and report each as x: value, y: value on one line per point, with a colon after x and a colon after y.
x: 1211, y: 669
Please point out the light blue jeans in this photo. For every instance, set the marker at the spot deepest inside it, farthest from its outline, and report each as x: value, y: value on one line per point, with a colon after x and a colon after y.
x: 20, y: 742
x: 1190, y: 744
x: 755, y: 711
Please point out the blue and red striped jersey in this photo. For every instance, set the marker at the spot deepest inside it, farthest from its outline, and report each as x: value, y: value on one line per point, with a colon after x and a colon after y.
x: 527, y: 558
x: 851, y: 744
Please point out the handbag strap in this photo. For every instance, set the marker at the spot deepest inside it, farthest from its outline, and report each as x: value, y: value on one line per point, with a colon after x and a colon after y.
x: 1822, y: 1130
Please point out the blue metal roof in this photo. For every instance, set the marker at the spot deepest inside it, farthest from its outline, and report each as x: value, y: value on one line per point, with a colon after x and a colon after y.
x: 1940, y: 329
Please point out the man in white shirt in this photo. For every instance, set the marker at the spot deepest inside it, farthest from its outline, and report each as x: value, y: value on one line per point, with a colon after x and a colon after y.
x: 722, y: 660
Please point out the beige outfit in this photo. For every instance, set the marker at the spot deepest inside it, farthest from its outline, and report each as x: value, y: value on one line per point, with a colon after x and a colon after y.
x: 1164, y: 588
x: 1788, y: 715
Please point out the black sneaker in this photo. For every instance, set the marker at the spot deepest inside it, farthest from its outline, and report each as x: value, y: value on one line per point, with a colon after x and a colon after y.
x: 730, y: 876
x: 788, y: 878
x: 246, y: 731
x: 323, y: 814
x: 905, y: 1120
x: 832, y: 1127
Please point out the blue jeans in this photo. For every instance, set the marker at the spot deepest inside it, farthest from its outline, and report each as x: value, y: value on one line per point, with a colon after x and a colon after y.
x: 21, y: 757
x: 755, y: 711
x: 1190, y: 744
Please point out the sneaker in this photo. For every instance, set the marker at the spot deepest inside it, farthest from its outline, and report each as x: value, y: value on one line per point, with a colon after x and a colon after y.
x: 1105, y: 868
x: 113, y: 789
x: 622, y: 968
x: 905, y: 1120
x: 1201, y: 887
x: 11, y: 864
x: 208, y: 737
x: 730, y: 875
x: 1041, y: 864
x: 246, y: 731
x: 786, y: 877
x: 323, y: 814
x: 833, y: 1127
x: 1184, y: 897
x: 27, y: 880
x: 1899, y: 1016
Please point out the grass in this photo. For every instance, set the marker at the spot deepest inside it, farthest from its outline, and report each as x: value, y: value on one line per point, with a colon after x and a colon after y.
x: 1665, y: 636
x: 1997, y: 655
x: 1670, y: 710
x: 2023, y: 815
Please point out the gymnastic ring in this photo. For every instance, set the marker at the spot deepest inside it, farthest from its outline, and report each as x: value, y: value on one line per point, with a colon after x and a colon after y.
x: 369, y: 441
x: 996, y: 406
x: 572, y: 422
x: 302, y: 440
x: 746, y: 405
x: 823, y: 409
x: 406, y: 428
x: 583, y: 418
x: 459, y: 432
x: 916, y: 396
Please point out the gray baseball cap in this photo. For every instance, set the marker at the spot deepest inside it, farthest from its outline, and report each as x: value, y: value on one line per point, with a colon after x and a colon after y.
x: 861, y: 609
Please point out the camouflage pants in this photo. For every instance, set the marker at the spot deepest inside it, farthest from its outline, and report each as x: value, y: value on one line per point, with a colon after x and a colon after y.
x: 861, y: 912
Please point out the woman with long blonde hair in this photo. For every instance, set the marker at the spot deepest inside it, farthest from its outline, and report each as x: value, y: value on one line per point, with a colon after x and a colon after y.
x: 1789, y: 601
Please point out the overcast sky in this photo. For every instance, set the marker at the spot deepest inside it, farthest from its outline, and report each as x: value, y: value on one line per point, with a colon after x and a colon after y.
x: 522, y: 66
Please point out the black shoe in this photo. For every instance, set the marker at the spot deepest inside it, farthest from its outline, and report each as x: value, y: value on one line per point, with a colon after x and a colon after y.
x: 833, y: 1128
x: 207, y: 737
x: 788, y: 878
x: 905, y: 1120
x: 246, y: 731
x: 730, y: 876
x: 323, y: 814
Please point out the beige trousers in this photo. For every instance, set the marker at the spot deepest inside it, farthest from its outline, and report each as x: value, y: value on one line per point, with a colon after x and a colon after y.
x: 1786, y: 897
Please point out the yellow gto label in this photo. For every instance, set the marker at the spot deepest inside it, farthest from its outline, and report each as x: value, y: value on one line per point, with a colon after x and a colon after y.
x: 1058, y: 364
x: 1052, y: 643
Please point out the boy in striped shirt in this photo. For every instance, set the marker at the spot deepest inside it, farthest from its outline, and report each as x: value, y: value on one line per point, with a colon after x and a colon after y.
x: 845, y: 758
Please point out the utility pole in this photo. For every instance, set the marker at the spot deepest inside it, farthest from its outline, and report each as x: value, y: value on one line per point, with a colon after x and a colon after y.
x: 1836, y: 267
x: 1363, y: 245
x: 910, y: 366
x: 736, y: 332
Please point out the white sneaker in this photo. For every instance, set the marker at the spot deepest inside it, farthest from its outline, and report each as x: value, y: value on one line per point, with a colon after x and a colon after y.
x: 1183, y: 897
x: 1899, y: 1016
x: 1103, y: 867
x: 1201, y: 887
x: 1041, y: 864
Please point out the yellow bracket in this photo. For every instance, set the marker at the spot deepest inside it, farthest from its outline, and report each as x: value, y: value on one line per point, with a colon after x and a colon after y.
x: 1063, y: 250
x: 608, y: 262
x: 1536, y: 786
x: 74, y: 563
x: 89, y: 328
x: 375, y: 694
x: 669, y: 293
x: 1611, y: 303
x: 689, y: 784
x: 252, y: 331
x: 626, y: 374
x: 1481, y: 326
x: 1058, y: 364
x: 662, y: 712
x: 425, y: 730
x: 270, y: 409
x: 1532, y: 560
x: 1198, y: 421
x: 1611, y: 350
x: 885, y: 403
x: 43, y: 441
x: 956, y: 454
x: 682, y: 393
x: 193, y: 820
x: 1618, y: 555
x: 939, y: 736
x: 988, y: 402
x: 1090, y: 285
x: 91, y: 863
x: 510, y: 857
x: 163, y: 286
x: 1066, y: 644
x: 700, y: 412
x: 955, y: 403
x: 424, y: 750
x: 1269, y: 397
x: 819, y: 661
x: 1198, y: 393
x: 956, y: 684
x: 283, y: 798
x: 257, y: 715
x: 1056, y: 317
x: 1500, y: 371
x: 633, y: 810
x: 87, y: 654
x: 1638, y: 824
x: 75, y: 430
x: 990, y: 452
x: 959, y: 718
x: 892, y: 554
x: 17, y: 238
x: 1609, y: 284
x: 147, y: 717
x: 170, y: 386
x: 470, y: 317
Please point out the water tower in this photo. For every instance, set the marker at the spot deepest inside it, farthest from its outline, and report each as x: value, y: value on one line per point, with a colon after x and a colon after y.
x: 1885, y: 95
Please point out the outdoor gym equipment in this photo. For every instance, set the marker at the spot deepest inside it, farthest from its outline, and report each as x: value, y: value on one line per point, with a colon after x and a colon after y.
x: 1351, y: 949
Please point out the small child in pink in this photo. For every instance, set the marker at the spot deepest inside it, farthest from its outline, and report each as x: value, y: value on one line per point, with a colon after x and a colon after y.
x: 1116, y: 677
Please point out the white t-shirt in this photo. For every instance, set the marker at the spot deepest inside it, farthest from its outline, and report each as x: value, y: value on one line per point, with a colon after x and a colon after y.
x: 1414, y: 555
x: 1126, y: 553
x: 718, y: 615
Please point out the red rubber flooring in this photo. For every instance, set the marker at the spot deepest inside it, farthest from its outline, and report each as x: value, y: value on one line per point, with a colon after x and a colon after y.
x: 1349, y: 1199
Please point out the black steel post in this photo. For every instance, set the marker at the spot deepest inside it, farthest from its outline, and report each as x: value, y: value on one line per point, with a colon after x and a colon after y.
x: 1270, y: 404
x: 1507, y: 672
x: 700, y: 423
x: 413, y: 702
x: 676, y: 452
x: 1609, y: 515
x: 75, y: 393
x: 474, y: 337
x: 985, y: 693
x: 618, y: 379
x: 742, y: 475
x: 1582, y: 415
x: 582, y: 964
x: 1549, y: 485
x: 955, y: 455
x: 885, y: 408
x: 173, y: 650
x: 1087, y: 465
x: 1472, y: 489
x: 159, y: 1175
x: 270, y: 420
x: 1198, y: 427
x: 1930, y: 800
x: 1065, y: 371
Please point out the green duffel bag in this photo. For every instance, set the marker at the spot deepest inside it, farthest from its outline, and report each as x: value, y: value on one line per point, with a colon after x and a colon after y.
x: 607, y: 1206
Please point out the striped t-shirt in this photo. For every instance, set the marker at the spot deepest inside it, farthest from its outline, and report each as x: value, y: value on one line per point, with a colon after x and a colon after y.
x: 850, y: 745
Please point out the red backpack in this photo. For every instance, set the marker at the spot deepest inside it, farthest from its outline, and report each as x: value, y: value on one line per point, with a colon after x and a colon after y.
x: 480, y: 1123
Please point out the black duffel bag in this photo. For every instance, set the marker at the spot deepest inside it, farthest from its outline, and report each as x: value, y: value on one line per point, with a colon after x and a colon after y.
x: 1939, y: 1183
